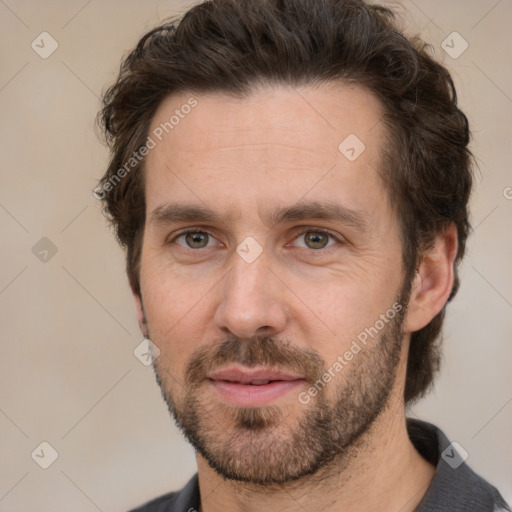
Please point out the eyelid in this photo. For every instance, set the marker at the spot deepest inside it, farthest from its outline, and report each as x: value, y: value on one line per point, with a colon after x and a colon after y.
x: 303, y: 230
x: 185, y: 231
x: 298, y: 231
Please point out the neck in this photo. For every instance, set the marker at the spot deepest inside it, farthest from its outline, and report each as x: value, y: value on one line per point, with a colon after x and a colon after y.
x: 382, y: 472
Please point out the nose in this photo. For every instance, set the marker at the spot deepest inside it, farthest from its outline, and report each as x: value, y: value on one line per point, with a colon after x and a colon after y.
x: 252, y: 300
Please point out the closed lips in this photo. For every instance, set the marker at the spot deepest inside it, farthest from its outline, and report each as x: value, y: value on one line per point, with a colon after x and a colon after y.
x: 254, y: 377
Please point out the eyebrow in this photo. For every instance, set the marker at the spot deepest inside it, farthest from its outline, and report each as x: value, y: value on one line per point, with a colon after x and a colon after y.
x: 311, y: 210
x: 321, y: 211
x: 175, y: 212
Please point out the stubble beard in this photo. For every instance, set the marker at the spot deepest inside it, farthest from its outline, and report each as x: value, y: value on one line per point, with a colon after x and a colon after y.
x: 275, y: 445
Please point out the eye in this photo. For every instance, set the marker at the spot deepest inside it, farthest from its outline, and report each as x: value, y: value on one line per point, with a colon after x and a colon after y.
x: 195, y: 240
x: 316, y: 239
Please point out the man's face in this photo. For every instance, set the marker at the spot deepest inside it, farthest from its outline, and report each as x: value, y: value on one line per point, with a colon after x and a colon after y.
x: 270, y: 253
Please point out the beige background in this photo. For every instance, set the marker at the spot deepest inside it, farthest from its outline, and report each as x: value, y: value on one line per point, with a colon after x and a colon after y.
x: 68, y: 373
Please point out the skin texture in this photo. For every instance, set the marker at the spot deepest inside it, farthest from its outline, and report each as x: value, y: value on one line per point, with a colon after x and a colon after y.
x: 300, y: 306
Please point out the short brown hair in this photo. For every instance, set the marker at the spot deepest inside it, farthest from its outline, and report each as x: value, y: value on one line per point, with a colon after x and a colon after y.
x: 230, y: 46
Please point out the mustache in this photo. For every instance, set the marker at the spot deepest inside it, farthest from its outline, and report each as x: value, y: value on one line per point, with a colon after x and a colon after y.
x: 256, y: 351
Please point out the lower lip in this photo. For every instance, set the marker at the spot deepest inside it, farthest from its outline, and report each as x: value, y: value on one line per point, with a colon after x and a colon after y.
x: 247, y: 395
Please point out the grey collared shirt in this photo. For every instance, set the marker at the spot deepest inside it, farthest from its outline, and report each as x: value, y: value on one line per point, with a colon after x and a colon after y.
x: 454, y: 488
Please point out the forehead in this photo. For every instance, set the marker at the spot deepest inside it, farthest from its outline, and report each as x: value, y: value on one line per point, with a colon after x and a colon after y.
x: 322, y: 141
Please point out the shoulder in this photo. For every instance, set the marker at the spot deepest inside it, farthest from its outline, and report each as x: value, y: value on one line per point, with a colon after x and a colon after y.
x: 186, y: 500
x: 455, y: 486
x: 163, y: 503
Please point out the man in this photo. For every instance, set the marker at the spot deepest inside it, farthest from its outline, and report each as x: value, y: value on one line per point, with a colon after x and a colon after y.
x: 290, y: 179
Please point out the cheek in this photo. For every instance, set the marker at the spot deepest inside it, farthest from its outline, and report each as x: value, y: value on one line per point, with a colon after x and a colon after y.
x: 175, y: 312
x: 335, y: 311
x: 346, y: 299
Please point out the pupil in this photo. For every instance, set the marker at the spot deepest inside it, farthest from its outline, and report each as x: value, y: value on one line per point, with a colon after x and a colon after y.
x: 316, y: 240
x: 197, y: 240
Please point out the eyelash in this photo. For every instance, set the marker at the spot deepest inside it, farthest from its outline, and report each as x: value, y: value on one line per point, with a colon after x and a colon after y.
x: 330, y: 236
x: 302, y: 233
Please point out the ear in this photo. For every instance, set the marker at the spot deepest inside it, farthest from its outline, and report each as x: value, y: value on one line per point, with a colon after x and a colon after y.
x: 433, y: 281
x: 141, y: 316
